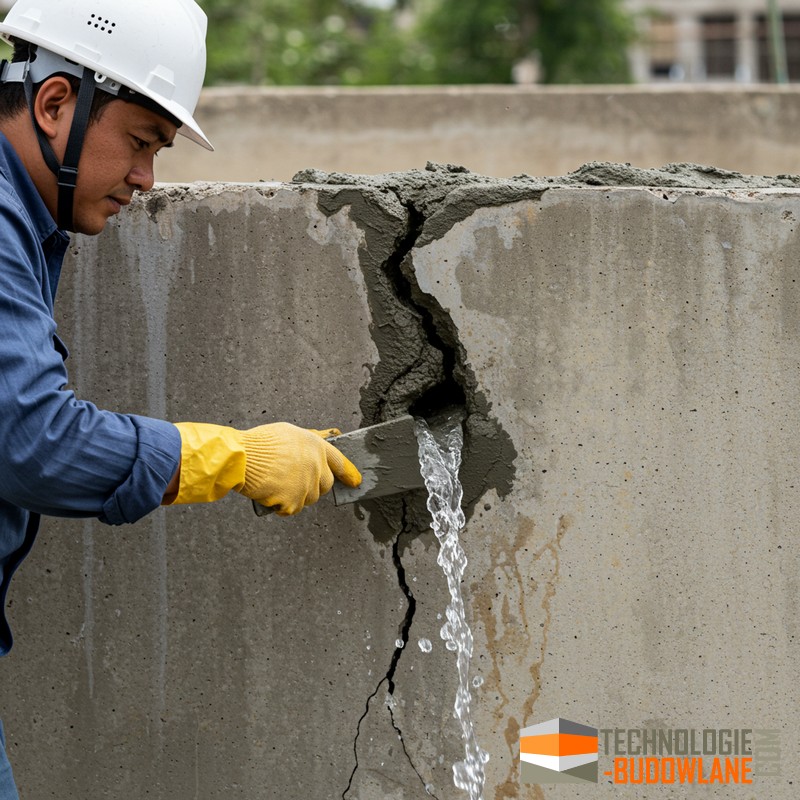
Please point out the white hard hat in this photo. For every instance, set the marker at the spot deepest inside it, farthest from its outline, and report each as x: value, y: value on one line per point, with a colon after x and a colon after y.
x: 155, y: 48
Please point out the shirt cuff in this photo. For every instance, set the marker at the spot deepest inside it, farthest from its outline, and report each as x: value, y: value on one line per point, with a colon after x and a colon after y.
x: 157, y: 457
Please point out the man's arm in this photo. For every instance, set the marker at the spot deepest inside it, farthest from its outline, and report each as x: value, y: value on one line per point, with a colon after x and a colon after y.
x: 60, y: 455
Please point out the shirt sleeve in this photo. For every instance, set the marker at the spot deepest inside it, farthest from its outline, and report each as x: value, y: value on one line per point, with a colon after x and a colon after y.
x: 60, y: 455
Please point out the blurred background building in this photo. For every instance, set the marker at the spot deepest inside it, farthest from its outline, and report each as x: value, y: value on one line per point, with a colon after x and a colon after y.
x: 711, y: 40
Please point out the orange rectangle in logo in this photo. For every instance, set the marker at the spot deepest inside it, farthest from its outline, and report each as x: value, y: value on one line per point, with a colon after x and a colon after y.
x: 558, y: 744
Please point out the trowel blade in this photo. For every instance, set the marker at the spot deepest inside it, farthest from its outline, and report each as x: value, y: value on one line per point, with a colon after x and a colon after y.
x: 387, y: 457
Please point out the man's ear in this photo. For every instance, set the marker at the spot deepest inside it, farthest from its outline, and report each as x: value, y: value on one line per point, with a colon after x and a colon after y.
x: 54, y: 106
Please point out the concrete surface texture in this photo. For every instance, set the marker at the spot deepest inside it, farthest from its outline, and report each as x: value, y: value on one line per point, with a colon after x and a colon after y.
x: 625, y: 346
x: 269, y: 134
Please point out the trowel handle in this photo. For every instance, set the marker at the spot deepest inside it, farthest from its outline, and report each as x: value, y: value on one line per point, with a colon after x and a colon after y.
x: 265, y: 511
x: 262, y: 511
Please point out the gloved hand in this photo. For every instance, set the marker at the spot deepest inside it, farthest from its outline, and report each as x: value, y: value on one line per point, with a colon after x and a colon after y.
x: 278, y: 465
x: 290, y: 467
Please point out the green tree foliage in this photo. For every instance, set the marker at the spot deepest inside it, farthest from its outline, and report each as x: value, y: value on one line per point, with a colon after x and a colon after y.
x: 285, y: 42
x: 356, y: 42
x: 576, y: 41
x: 583, y: 41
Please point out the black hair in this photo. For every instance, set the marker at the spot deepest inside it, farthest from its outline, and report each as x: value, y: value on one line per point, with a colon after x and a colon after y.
x: 12, y: 95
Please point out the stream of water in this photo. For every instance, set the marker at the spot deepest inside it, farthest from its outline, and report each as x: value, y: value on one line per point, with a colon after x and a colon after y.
x: 439, y: 462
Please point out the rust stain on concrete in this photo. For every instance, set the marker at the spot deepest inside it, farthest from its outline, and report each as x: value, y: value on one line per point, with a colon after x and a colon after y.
x: 508, y: 633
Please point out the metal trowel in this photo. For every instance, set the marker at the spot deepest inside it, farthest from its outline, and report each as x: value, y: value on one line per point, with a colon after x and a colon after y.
x: 387, y: 457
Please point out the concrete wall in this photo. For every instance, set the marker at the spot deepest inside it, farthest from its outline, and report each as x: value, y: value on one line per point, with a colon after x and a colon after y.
x: 269, y: 134
x: 632, y: 556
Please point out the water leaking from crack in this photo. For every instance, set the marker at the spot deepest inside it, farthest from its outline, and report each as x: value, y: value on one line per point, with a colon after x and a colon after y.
x: 440, y: 462
x: 426, y: 376
x: 422, y: 367
x: 440, y: 459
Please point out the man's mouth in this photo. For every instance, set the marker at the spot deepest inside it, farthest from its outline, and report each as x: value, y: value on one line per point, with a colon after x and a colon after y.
x: 118, y: 202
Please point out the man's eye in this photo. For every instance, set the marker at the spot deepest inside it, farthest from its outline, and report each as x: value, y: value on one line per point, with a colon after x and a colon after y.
x: 141, y: 143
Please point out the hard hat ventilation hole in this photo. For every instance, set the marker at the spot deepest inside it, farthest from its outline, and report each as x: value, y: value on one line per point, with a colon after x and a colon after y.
x: 105, y: 25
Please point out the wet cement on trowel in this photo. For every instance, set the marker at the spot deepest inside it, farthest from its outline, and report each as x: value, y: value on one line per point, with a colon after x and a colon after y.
x: 423, y: 367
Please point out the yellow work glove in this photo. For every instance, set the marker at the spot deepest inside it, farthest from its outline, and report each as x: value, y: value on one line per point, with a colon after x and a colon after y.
x: 279, y: 465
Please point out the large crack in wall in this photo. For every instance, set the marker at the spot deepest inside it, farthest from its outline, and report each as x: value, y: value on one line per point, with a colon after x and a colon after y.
x: 423, y: 368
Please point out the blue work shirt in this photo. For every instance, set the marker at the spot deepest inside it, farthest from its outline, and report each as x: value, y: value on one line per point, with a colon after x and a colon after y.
x: 59, y: 455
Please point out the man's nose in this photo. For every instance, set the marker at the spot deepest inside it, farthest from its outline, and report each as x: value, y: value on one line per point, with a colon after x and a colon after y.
x: 142, y: 177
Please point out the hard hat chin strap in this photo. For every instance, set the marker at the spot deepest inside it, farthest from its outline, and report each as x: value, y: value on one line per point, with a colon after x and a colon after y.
x: 67, y: 172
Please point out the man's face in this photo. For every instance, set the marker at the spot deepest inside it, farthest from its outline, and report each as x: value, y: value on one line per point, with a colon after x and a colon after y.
x: 117, y: 160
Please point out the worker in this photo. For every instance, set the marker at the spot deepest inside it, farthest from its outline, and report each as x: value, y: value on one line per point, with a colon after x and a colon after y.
x: 95, y: 89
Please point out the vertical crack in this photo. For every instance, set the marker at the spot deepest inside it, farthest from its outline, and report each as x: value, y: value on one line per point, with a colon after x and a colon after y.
x: 428, y: 789
x: 422, y: 367
x: 446, y: 391
x: 410, y: 599
x: 405, y: 627
x: 358, y: 733
x: 404, y: 637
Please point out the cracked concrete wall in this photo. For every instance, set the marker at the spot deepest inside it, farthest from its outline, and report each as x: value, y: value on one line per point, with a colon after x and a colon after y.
x: 628, y: 360
x: 640, y: 348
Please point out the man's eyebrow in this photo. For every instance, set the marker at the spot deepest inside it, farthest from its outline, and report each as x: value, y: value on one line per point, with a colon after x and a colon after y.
x: 158, y: 132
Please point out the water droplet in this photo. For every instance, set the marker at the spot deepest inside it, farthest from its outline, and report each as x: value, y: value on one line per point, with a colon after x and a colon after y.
x: 398, y: 643
x: 477, y: 681
x: 425, y: 645
x: 429, y: 787
x: 339, y: 613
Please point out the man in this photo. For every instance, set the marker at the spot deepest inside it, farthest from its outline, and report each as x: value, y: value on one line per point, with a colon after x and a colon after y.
x: 95, y: 90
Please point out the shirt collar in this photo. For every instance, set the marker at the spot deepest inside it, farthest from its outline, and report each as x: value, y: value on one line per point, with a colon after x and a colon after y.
x: 14, y: 170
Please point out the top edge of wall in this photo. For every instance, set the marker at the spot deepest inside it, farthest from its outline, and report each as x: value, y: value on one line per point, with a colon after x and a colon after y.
x: 506, y: 89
